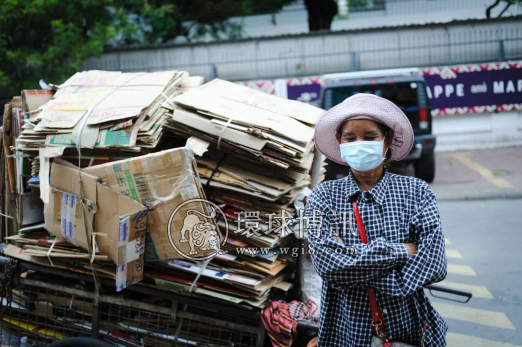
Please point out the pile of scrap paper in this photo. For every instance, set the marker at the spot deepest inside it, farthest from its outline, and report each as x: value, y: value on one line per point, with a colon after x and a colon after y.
x: 110, y: 172
x: 104, y: 110
x: 254, y: 153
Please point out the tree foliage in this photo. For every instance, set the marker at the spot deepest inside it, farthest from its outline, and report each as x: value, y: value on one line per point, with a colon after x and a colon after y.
x: 51, y: 39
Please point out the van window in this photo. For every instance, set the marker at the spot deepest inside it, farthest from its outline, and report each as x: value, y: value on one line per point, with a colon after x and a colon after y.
x: 405, y: 95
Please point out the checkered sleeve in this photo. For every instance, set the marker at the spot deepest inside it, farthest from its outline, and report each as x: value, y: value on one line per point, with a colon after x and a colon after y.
x: 429, y: 264
x: 338, y: 263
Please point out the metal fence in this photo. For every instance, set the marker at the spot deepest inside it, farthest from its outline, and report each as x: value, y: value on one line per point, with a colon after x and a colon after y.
x: 315, y: 54
x: 392, y: 7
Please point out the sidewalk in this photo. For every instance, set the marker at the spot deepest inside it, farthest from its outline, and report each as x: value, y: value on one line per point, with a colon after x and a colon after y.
x: 477, y: 174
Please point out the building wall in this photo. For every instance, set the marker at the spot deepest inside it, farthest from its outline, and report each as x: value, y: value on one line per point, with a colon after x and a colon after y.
x: 293, y: 18
x: 478, y: 131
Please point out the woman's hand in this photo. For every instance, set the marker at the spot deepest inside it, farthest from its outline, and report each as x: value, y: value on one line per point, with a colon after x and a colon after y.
x: 411, y: 248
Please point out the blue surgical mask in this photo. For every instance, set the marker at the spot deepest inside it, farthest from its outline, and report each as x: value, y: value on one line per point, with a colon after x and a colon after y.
x: 363, y: 155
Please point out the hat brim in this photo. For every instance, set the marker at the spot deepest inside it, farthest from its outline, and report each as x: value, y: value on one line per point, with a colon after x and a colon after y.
x: 370, y: 106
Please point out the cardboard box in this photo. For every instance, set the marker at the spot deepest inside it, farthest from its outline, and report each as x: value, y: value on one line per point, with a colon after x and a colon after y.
x: 34, y: 98
x: 168, y: 184
x: 119, y: 223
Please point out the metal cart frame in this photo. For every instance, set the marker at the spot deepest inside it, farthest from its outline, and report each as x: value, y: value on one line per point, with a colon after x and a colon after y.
x: 159, y: 317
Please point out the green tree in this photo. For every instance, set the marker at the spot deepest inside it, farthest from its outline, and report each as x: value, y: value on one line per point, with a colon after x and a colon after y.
x: 51, y: 39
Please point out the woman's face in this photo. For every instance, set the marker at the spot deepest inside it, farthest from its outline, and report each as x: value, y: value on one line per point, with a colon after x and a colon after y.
x: 361, y: 130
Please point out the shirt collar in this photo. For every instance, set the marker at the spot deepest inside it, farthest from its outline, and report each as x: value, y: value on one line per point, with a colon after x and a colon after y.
x: 378, y: 192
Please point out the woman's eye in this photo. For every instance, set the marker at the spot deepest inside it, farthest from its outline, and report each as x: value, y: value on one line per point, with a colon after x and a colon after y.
x: 349, y: 139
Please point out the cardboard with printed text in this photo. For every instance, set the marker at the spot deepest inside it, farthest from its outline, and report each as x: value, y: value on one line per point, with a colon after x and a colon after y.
x: 118, y: 222
x: 168, y: 184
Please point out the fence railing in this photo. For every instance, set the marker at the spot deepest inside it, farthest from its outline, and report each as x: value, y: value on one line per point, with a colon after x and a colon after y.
x: 307, y: 55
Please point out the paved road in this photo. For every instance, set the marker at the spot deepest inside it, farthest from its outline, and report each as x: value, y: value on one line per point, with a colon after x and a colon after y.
x: 484, y: 243
x: 484, y: 239
x: 475, y: 174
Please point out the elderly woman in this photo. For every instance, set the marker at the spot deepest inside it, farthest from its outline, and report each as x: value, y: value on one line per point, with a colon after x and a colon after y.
x: 375, y: 237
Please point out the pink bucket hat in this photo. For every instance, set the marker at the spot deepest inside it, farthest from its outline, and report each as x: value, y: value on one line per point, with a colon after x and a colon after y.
x: 363, y: 106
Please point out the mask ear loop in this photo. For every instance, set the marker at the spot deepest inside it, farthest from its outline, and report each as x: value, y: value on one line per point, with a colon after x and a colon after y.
x: 386, y: 153
x: 384, y: 139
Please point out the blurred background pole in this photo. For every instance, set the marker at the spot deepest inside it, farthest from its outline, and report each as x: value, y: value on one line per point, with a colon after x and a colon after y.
x: 316, y: 167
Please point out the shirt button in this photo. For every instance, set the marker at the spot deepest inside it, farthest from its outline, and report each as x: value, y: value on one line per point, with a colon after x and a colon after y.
x: 385, y: 311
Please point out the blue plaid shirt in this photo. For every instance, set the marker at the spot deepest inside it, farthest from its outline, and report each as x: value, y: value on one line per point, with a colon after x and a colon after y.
x: 399, y: 209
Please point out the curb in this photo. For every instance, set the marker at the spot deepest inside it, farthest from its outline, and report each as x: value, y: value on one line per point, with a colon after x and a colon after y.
x: 488, y: 195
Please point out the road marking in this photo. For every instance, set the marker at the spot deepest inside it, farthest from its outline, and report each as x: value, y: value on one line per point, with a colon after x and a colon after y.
x: 453, y: 253
x: 467, y: 314
x: 464, y: 270
x: 482, y: 170
x: 478, y: 291
x: 447, y: 241
x: 462, y: 340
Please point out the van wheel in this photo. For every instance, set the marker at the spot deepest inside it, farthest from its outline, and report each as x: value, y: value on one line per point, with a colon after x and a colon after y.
x: 425, y: 167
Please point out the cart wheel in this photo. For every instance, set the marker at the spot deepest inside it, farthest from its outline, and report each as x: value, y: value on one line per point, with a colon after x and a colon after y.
x: 79, y: 342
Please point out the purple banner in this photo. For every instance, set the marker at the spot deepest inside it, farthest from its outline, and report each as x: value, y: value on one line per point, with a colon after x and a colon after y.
x: 459, y: 89
x: 483, y: 89
x: 310, y: 93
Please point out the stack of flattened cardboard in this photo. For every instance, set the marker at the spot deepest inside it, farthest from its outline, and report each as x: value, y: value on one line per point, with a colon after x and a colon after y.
x: 101, y: 222
x: 254, y: 154
x: 257, y: 147
x: 125, y: 212
x: 20, y: 202
x: 88, y: 216
x: 40, y: 248
x: 139, y: 207
x: 232, y: 283
x: 102, y: 109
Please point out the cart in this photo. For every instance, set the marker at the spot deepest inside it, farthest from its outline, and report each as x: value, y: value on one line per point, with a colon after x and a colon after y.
x: 54, y: 304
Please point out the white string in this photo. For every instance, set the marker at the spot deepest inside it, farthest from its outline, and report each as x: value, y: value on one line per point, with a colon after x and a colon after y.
x: 223, y: 132
x: 19, y: 155
x: 50, y: 250
x: 170, y: 103
x: 200, y: 272
x: 71, y: 302
x: 4, y: 215
x: 90, y: 246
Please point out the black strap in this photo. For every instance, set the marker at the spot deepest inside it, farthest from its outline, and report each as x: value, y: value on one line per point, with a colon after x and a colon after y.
x: 207, y: 185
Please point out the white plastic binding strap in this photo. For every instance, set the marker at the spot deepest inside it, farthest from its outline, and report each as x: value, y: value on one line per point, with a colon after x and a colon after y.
x: 167, y: 100
x: 71, y: 302
x: 83, y: 123
x: 223, y: 132
x: 201, y: 270
x: 6, y: 216
x: 50, y: 250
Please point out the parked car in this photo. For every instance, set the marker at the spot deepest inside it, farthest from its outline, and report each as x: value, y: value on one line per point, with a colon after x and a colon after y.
x: 407, y: 89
